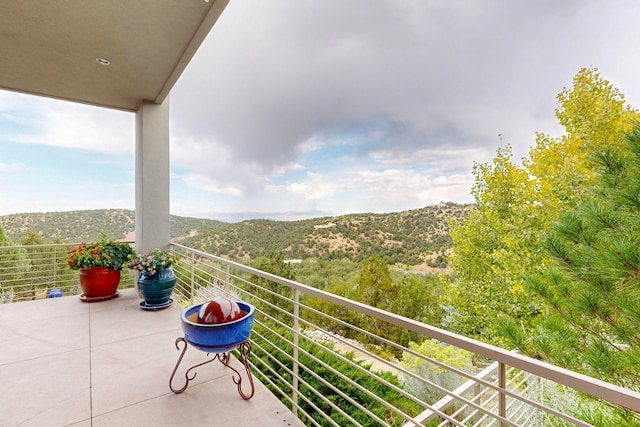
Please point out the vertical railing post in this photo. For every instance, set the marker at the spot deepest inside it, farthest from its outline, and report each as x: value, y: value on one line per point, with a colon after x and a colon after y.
x: 296, y: 332
x: 227, y: 278
x: 502, y: 398
x: 476, y: 391
x: 55, y: 267
x: 193, y: 278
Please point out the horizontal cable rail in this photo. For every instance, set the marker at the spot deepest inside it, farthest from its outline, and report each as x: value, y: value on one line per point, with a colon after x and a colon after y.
x: 31, y: 272
x: 333, y: 360
x: 308, y: 349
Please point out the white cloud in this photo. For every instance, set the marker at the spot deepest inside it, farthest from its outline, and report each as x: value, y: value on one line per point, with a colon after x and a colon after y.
x: 51, y: 122
x: 407, y: 189
x: 206, y: 183
x: 12, y: 167
x: 314, y: 187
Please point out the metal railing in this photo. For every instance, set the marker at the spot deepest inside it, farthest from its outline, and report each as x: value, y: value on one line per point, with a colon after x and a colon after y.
x: 336, y: 362
x: 331, y: 361
x: 39, y: 271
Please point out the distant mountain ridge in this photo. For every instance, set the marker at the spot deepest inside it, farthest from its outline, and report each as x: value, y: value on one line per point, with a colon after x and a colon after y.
x: 416, y: 238
x: 88, y: 225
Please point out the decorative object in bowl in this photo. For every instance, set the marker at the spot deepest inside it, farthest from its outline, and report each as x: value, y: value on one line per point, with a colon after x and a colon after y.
x: 219, y: 310
x: 217, y: 337
x: 217, y: 327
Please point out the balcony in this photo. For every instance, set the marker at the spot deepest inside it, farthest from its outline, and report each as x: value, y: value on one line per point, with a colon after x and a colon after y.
x: 70, y: 363
x: 65, y: 362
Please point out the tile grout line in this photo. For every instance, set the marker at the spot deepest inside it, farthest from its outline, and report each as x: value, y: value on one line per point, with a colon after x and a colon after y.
x: 90, y: 371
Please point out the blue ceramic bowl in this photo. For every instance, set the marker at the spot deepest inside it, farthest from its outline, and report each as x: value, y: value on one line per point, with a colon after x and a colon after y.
x: 220, y: 337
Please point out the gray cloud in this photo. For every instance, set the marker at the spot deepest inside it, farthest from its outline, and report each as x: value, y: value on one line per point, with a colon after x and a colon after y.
x: 298, y: 108
x: 438, y: 81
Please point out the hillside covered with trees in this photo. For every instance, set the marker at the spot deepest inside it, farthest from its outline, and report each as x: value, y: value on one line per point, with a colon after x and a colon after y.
x: 418, y: 238
x: 413, y: 238
x: 88, y: 225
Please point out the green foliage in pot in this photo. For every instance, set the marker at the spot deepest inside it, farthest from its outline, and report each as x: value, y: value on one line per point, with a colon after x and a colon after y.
x: 105, y: 253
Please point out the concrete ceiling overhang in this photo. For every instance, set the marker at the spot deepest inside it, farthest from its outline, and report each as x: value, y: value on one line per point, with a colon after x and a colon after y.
x: 52, y: 48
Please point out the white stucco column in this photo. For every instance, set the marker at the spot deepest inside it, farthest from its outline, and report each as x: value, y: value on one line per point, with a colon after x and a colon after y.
x: 152, y: 176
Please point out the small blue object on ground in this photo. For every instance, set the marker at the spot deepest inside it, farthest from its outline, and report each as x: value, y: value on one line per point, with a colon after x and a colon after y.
x: 54, y: 293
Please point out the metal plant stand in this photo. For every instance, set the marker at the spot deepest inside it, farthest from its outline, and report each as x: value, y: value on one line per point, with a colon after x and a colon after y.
x: 223, y: 354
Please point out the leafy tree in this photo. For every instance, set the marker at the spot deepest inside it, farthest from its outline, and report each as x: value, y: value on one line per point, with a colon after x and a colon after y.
x: 501, y: 241
x: 324, y: 274
x: 269, y: 291
x: 594, y: 116
x: 275, y: 264
x: 451, y: 356
x: 41, y: 262
x: 14, y: 265
x: 593, y: 289
x: 419, y: 298
x: 375, y: 287
x: 337, y: 277
x: 32, y: 238
x: 498, y: 240
x: 4, y: 239
x: 416, y: 296
x: 321, y: 383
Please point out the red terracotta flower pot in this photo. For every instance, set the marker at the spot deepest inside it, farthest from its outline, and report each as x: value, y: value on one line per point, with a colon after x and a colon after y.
x: 99, y: 284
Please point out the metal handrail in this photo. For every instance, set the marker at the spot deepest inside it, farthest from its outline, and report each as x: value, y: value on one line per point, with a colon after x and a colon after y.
x: 29, y: 272
x: 597, y: 388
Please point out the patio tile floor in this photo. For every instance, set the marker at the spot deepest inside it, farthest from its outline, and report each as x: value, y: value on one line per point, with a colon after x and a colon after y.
x: 68, y: 363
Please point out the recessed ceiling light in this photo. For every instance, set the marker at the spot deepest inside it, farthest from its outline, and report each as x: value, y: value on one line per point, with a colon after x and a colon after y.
x: 103, y: 61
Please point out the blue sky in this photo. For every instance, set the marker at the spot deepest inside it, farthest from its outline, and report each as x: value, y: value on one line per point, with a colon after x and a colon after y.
x: 291, y: 110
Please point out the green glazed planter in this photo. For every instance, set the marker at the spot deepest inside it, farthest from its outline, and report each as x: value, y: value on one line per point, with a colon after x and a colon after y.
x: 156, y: 289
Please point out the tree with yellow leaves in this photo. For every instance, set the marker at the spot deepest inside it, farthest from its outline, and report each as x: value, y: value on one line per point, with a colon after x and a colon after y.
x: 501, y: 242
